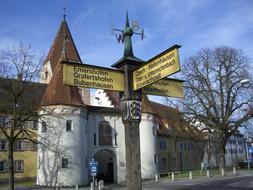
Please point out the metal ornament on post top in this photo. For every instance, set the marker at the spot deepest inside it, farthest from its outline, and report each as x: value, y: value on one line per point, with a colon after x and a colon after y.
x: 131, y: 109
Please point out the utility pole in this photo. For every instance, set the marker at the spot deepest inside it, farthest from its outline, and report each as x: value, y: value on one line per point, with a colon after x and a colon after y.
x: 131, y: 110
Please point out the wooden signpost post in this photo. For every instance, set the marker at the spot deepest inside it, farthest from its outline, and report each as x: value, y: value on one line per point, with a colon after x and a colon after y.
x: 133, y: 78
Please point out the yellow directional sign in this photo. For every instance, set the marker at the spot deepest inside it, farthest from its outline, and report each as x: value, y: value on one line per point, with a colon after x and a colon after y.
x: 93, y: 77
x: 162, y: 65
x: 165, y: 87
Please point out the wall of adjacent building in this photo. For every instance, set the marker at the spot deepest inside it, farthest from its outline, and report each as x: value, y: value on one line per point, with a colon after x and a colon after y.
x: 179, y: 154
x: 27, y: 155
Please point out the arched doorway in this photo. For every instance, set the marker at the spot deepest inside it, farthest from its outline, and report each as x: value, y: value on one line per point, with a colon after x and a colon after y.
x: 107, y: 166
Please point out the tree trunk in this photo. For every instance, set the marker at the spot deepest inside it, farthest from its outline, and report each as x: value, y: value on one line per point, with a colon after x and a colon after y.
x: 133, y: 163
x: 222, y: 153
x: 11, y: 166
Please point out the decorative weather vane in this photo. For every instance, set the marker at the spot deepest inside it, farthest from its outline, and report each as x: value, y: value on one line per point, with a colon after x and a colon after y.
x: 128, y: 31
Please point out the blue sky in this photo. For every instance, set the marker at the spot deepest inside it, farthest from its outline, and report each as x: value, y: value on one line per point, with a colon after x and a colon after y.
x: 194, y: 24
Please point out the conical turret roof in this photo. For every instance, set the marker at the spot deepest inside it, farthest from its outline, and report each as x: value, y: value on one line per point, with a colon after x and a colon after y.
x: 62, y: 50
x: 55, y: 51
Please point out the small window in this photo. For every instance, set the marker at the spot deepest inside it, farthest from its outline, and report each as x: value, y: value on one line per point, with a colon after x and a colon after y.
x: 95, y: 138
x: 69, y: 125
x: 65, y: 162
x: 3, y: 144
x: 154, y: 131
x: 43, y: 127
x: 163, y: 165
x: 34, y: 124
x: 116, y: 141
x: 2, y: 121
x: 155, y: 158
x: 18, y: 145
x: 46, y: 75
x: 162, y: 145
x: 2, y: 166
x: 18, y: 166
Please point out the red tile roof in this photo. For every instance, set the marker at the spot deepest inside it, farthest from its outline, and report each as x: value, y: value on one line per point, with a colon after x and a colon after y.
x: 147, y: 105
x: 55, y: 51
x: 58, y: 93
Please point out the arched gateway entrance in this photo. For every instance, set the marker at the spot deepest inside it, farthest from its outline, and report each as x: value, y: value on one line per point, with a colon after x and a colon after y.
x: 107, y: 166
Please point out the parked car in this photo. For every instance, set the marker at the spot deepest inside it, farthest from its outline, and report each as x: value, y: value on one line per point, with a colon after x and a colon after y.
x: 244, y: 164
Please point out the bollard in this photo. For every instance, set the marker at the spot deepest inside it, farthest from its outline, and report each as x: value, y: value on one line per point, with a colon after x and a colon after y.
x: 76, y: 187
x: 91, y: 186
x: 101, y: 184
x: 208, y: 173
x: 172, y: 176
x: 190, y: 174
x: 156, y: 177
x: 222, y: 172
x: 234, y: 170
x: 96, y: 183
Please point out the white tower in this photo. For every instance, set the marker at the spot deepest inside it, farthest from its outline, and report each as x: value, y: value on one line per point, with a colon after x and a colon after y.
x: 62, y: 157
x: 148, y: 140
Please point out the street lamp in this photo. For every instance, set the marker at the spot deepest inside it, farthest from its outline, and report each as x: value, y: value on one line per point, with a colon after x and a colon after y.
x: 244, y: 81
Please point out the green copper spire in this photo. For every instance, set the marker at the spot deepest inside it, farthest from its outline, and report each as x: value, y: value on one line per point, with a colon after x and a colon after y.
x: 127, y: 34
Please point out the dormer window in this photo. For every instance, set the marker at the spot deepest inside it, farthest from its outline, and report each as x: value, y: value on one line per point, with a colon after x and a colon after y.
x: 69, y: 126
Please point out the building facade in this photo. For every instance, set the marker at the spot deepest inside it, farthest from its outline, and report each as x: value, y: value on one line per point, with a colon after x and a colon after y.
x: 235, y: 151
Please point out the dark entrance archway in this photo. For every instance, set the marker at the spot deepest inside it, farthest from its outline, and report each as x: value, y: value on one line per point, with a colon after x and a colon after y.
x: 107, y: 166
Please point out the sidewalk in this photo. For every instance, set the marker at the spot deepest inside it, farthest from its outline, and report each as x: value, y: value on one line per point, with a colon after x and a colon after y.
x: 149, y: 184
x: 182, y: 181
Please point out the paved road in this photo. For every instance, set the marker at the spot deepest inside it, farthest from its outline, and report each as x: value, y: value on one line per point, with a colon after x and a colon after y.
x: 242, y: 182
x: 231, y: 183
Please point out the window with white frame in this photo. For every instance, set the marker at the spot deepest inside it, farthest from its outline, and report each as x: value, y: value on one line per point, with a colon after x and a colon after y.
x: 2, y: 120
x: 69, y: 126
x: 3, y: 144
x: 65, y: 162
x: 18, y: 166
x: 18, y: 145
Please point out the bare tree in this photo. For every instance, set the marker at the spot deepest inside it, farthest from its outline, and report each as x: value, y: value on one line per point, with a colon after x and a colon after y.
x: 19, y: 98
x: 215, y: 96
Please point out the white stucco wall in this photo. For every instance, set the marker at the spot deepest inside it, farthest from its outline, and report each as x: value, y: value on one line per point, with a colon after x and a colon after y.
x: 46, y: 68
x: 117, y: 149
x: 148, y: 140
x: 101, y: 99
x: 61, y: 143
